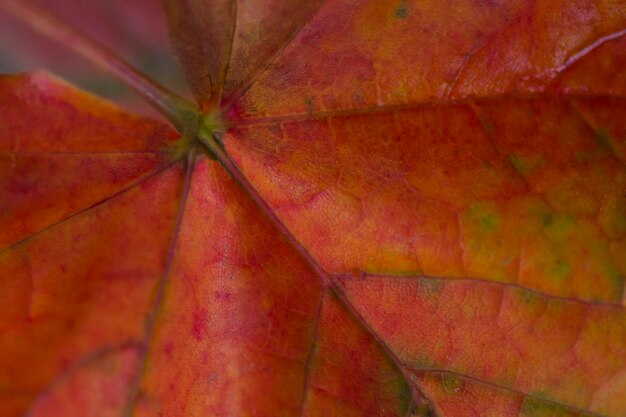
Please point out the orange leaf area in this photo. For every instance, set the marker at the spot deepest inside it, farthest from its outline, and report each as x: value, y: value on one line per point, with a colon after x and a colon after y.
x: 526, y: 191
x: 245, y: 320
x: 364, y: 54
x: 444, y: 233
x: 500, y: 336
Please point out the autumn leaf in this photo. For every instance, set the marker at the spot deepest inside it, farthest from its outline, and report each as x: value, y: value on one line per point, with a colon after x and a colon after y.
x: 377, y: 208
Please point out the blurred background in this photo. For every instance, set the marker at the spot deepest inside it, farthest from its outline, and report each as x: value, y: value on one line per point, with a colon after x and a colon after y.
x: 135, y: 29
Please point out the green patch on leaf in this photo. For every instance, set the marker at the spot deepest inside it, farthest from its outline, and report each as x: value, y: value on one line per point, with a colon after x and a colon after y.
x: 309, y: 104
x: 211, y: 124
x: 560, y: 269
x: 559, y: 227
x: 525, y: 164
x: 431, y: 286
x: 198, y: 130
x: 535, y: 407
x: 484, y: 216
x: 405, y: 396
x: 402, y: 12
x: 423, y: 411
x: 526, y: 297
x: 546, y: 218
x: 182, y: 147
x: 451, y: 383
x: 612, y: 218
x: 422, y: 362
x: 604, y: 138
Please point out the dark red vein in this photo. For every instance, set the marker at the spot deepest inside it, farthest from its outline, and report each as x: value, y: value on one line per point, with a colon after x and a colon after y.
x: 575, y: 57
x: 308, y: 366
x: 513, y: 20
x: 161, y: 287
x: 509, y: 389
x: 184, y: 116
x: 418, y: 397
x: 592, y: 129
x: 230, y: 56
x: 390, y: 108
x: 87, y: 360
x: 247, y: 85
x: 98, y: 203
x: 216, y: 149
x: 483, y: 281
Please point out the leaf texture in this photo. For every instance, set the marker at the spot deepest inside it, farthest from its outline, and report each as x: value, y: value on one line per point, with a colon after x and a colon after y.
x: 449, y: 180
x: 223, y: 44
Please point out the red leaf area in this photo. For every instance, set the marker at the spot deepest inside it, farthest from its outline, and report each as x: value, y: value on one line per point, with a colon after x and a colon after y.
x: 428, y: 218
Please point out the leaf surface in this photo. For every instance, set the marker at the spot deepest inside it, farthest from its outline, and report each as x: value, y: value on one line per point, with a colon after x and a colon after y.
x: 223, y: 44
x: 431, y: 220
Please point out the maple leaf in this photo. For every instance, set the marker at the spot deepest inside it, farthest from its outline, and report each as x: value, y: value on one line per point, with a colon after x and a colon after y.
x: 382, y: 208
